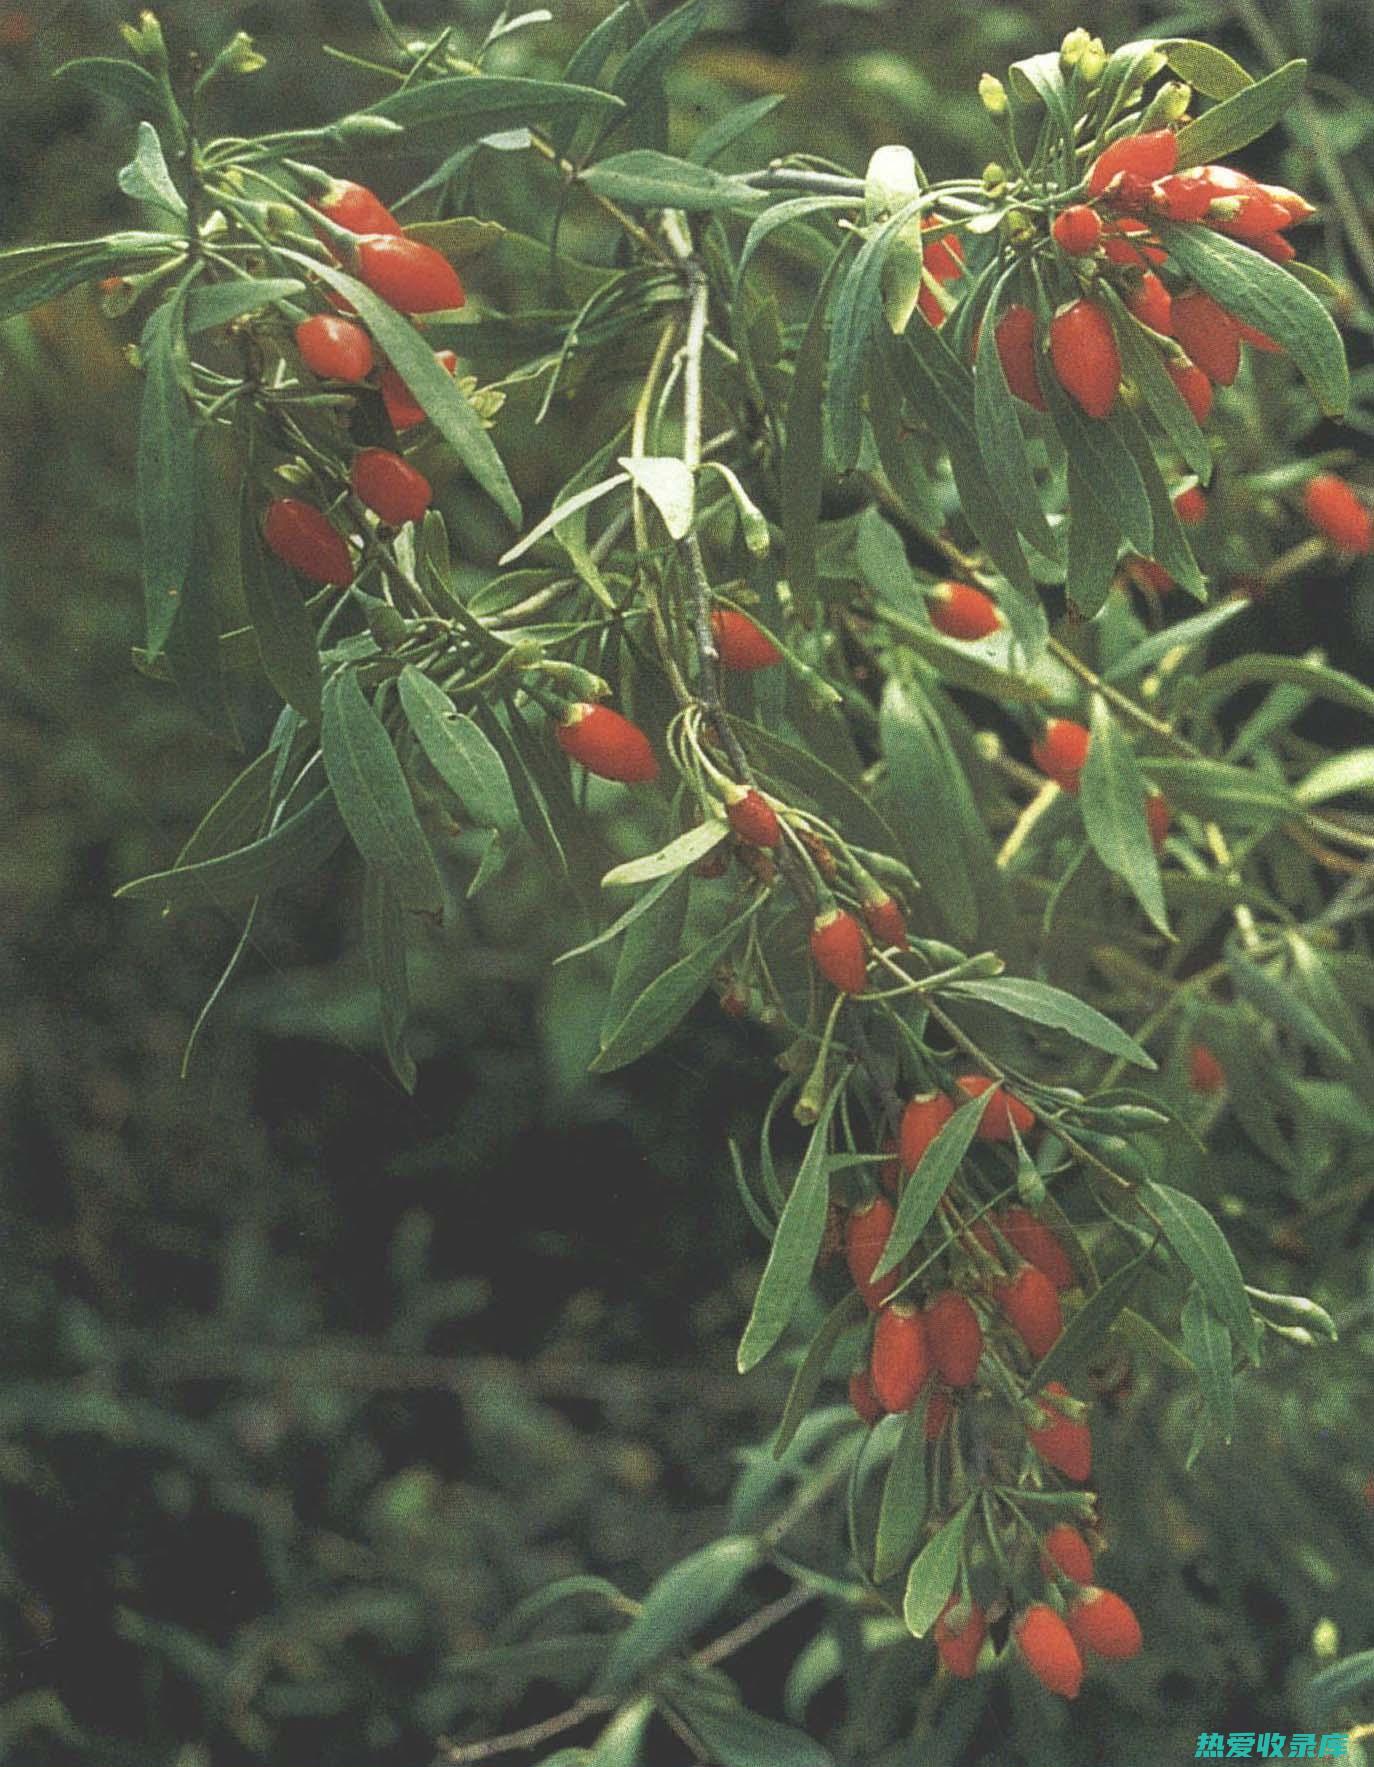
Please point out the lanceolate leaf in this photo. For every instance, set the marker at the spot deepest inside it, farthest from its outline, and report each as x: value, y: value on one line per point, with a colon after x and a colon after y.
x: 384, y: 946
x: 32, y: 274
x: 1181, y: 636
x: 1240, y: 118
x: 681, y: 1602
x: 929, y: 1182
x: 1094, y: 544
x: 282, y: 625
x: 1004, y: 450
x: 1207, y: 1345
x: 167, y: 501
x: 1045, y: 1005
x: 470, y: 107
x: 792, y: 1258
x: 737, y: 1737
x: 858, y: 313
x: 902, y: 1512
x: 1142, y: 363
x: 1113, y: 798
x: 803, y: 459
x: 932, y: 1576
x: 459, y: 753
x: 1089, y: 1325
x: 1317, y: 679
x: 1211, y: 70
x: 811, y: 1371
x: 1204, y: 1251
x: 666, y: 1001
x: 685, y: 850
x: 1105, y: 465
x: 649, y: 179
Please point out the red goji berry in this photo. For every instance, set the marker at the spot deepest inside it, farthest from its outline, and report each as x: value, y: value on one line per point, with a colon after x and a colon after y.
x: 1065, y: 1443
x: 1335, y: 511
x: 1061, y: 751
x: 402, y: 407
x: 1002, y: 1110
x: 1194, y: 387
x: 884, y: 919
x: 1258, y: 340
x: 741, y: 643
x: 1190, y: 506
x: 937, y: 1414
x: 1030, y: 1302
x: 1085, y: 357
x: 1275, y: 246
x: 1296, y: 207
x: 959, y: 1634
x: 1205, y: 1072
x: 1183, y: 196
x: 753, y: 818
x: 356, y: 208
x: 1148, y: 573
x: 1048, y: 1650
x: 304, y: 537
x: 961, y: 611
x: 1209, y: 334
x: 838, y: 950
x: 1119, y: 250
x: 955, y: 1338
x: 944, y: 262
x: 1247, y: 216
x: 1099, y: 1620
x: 1015, y: 338
x: 922, y: 1120
x: 408, y: 275
x: 607, y: 744
x: 391, y: 487
x: 890, y: 1171
x: 900, y: 1362
x: 1152, y: 304
x: 333, y: 348
x: 1149, y: 156
x: 1064, y: 1549
x: 1158, y: 816
x: 1038, y: 1244
x: 865, y: 1236
x: 862, y: 1397
x: 1077, y: 230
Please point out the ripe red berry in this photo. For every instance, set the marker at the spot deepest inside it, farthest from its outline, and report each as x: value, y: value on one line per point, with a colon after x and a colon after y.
x: 1037, y: 1244
x: 1195, y: 387
x: 334, y: 348
x: 1149, y: 156
x: 1152, y: 304
x: 1101, y: 1621
x: 391, y: 487
x: 1061, y: 751
x: 955, y: 1338
x: 863, y: 1398
x: 1148, y: 573
x: 1002, y: 1111
x: 607, y: 744
x: 408, y: 275
x: 937, y: 1413
x: 1085, y: 357
x: 1249, y: 216
x: 922, y: 1120
x: 885, y: 920
x: 304, y: 537
x: 753, y: 819
x: 890, y: 1172
x: 1077, y: 230
x: 1158, y: 816
x: 1065, y: 1549
x: 1190, y: 506
x: 961, y: 611
x: 1258, y: 340
x: 900, y: 1363
x: 1030, y: 1302
x: 1183, y: 196
x: 944, y: 262
x: 402, y: 407
x: 1205, y: 1072
x: 1275, y: 246
x: 1015, y: 337
x: 1209, y: 334
x: 1065, y: 1443
x: 742, y: 644
x: 1048, y: 1650
x: 838, y: 950
x: 357, y: 208
x: 1335, y: 511
x: 865, y: 1235
x: 1296, y: 207
x: 959, y: 1634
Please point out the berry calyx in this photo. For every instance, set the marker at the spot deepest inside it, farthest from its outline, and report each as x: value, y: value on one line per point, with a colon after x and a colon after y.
x: 1086, y: 360
x: 1152, y: 304
x: 390, y: 487
x: 955, y: 1338
x: 885, y: 920
x: 409, y: 275
x: 1030, y: 1303
x: 1064, y: 1549
x: 1100, y: 1621
x: 1065, y: 1443
x: 304, y: 537
x: 1190, y: 506
x: 753, y: 819
x: 958, y: 610
x: 1048, y: 1650
x: 402, y: 407
x: 1015, y: 338
x: 862, y: 1397
x: 1158, y: 816
x: 838, y: 950
x: 1336, y: 512
x: 900, y: 1361
x: 1002, y: 1110
x: 741, y: 643
x: 865, y: 1235
x: 1149, y: 156
x: 959, y: 1634
x: 607, y: 744
x: 922, y: 1120
x: 1037, y: 1244
x: 356, y: 208
x: 1077, y: 230
x: 1194, y: 387
x: 1209, y: 335
x: 1061, y: 751
x: 334, y: 348
x: 1205, y: 1072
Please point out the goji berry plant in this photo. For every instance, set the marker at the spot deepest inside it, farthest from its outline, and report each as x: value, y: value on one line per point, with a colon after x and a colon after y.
x: 887, y: 626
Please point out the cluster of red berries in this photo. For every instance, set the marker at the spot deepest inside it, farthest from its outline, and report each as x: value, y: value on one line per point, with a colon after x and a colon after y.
x: 413, y: 278
x: 1060, y: 752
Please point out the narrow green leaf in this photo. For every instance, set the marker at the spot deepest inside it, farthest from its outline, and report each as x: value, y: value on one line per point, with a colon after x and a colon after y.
x: 1277, y: 1001
x: 109, y: 77
x: 373, y: 796
x: 932, y: 1576
x: 1045, y: 1005
x: 282, y: 625
x: 1113, y: 798
x: 1142, y: 363
x: 1242, y: 117
x: 652, y: 943
x: 1042, y: 76
x: 1205, y: 1252
x: 902, y: 1512
x: 1171, y: 545
x: 717, y: 136
x: 1000, y: 438
x: 1333, y: 778
x: 693, y: 844
x: 1211, y: 70
x: 468, y: 108
x: 1089, y: 1325
x: 858, y: 311
x: 1207, y: 1345
x: 459, y: 753
x: 622, y: 922
x: 796, y: 1244
x: 670, y: 485
x: 782, y: 214
x: 621, y: 1743
x: 736, y: 1737
x: 146, y: 178
x: 929, y: 1182
x: 811, y: 1370
x: 640, y: 80
x: 384, y: 948
x: 1215, y: 788
x: 213, y: 304
x: 1105, y: 465
x: 1094, y: 543
x: 1314, y: 678
x: 645, y: 178
x: 561, y: 513
x: 678, y: 1605
x: 167, y: 499
x: 1336, y: 1686
x: 295, y: 849
x: 32, y: 274
x: 666, y: 1001
x: 236, y: 817
x: 803, y: 459
x: 1182, y: 636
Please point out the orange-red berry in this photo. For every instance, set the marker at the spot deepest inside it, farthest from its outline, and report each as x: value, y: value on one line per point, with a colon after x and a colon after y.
x: 955, y: 1338
x: 1037, y: 1244
x: 862, y: 1397
x: 1275, y: 246
x: 1077, y: 230
x: 304, y: 537
x: 1158, y: 816
x: 1205, y: 1072
x: 959, y: 1634
x: 900, y: 1362
x: 1015, y: 338
x: 402, y: 407
x: 1190, y: 506
x: 1335, y: 511
x: 922, y: 1120
x: 1099, y: 1620
x: 1086, y: 360
x: 885, y: 920
x: 1065, y: 1443
x: 607, y: 744
x: 1030, y: 1302
x: 1209, y: 335
x: 961, y: 611
x: 1064, y: 1549
x: 1152, y: 304
x: 937, y: 1413
x: 944, y: 262
x: 334, y: 348
x: 1061, y: 751
x: 865, y: 1235
x: 1194, y: 387
x: 754, y: 819
x: 1002, y: 1110
x: 1048, y: 1650
x: 355, y: 207
x: 408, y: 275
x: 741, y: 643
x: 838, y: 950
x: 1149, y: 156
x: 391, y: 487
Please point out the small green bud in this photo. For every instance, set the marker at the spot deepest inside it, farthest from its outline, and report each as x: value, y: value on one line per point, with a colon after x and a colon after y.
x: 388, y: 628
x: 1169, y: 105
x: 1072, y: 48
x: 146, y: 40
x: 1019, y: 227
x: 993, y: 94
x: 1092, y: 62
x: 365, y: 128
x: 580, y: 683
x: 995, y: 178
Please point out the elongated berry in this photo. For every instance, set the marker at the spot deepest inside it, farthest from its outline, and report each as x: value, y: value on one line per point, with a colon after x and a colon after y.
x: 865, y: 1235
x: 1158, y: 816
x: 1152, y: 304
x: 1064, y: 1549
x: 753, y: 819
x: 1296, y: 207
x: 391, y: 487
x: 862, y: 1397
x: 1275, y: 246
x: 741, y: 643
x: 1002, y: 1109
x: 334, y: 348
x: 1149, y: 573
x: 1048, y: 1650
x: 1258, y: 340
x: 1015, y: 337
x: 402, y: 407
x: 1149, y: 156
x: 838, y: 950
x: 959, y: 1634
x: 1190, y: 506
x: 922, y: 1120
x: 955, y: 1338
x: 1183, y: 196
x: 408, y: 275
x: 1065, y: 1443
x: 1030, y: 1302
x: 1205, y: 1072
x: 1061, y: 751
x: 1038, y: 1244
x: 1194, y: 387
x: 961, y: 611
x: 1248, y: 216
x: 1085, y: 358
x: 1077, y: 230
x: 1335, y: 511
x: 304, y: 537
x: 1099, y: 1620
x: 938, y: 1408
x: 607, y: 744
x: 1209, y: 334
x: 944, y: 262
x: 355, y: 207
x: 884, y: 919
x: 900, y: 1363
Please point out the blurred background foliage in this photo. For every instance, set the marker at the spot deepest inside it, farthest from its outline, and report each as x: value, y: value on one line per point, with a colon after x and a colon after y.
x: 308, y: 1384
